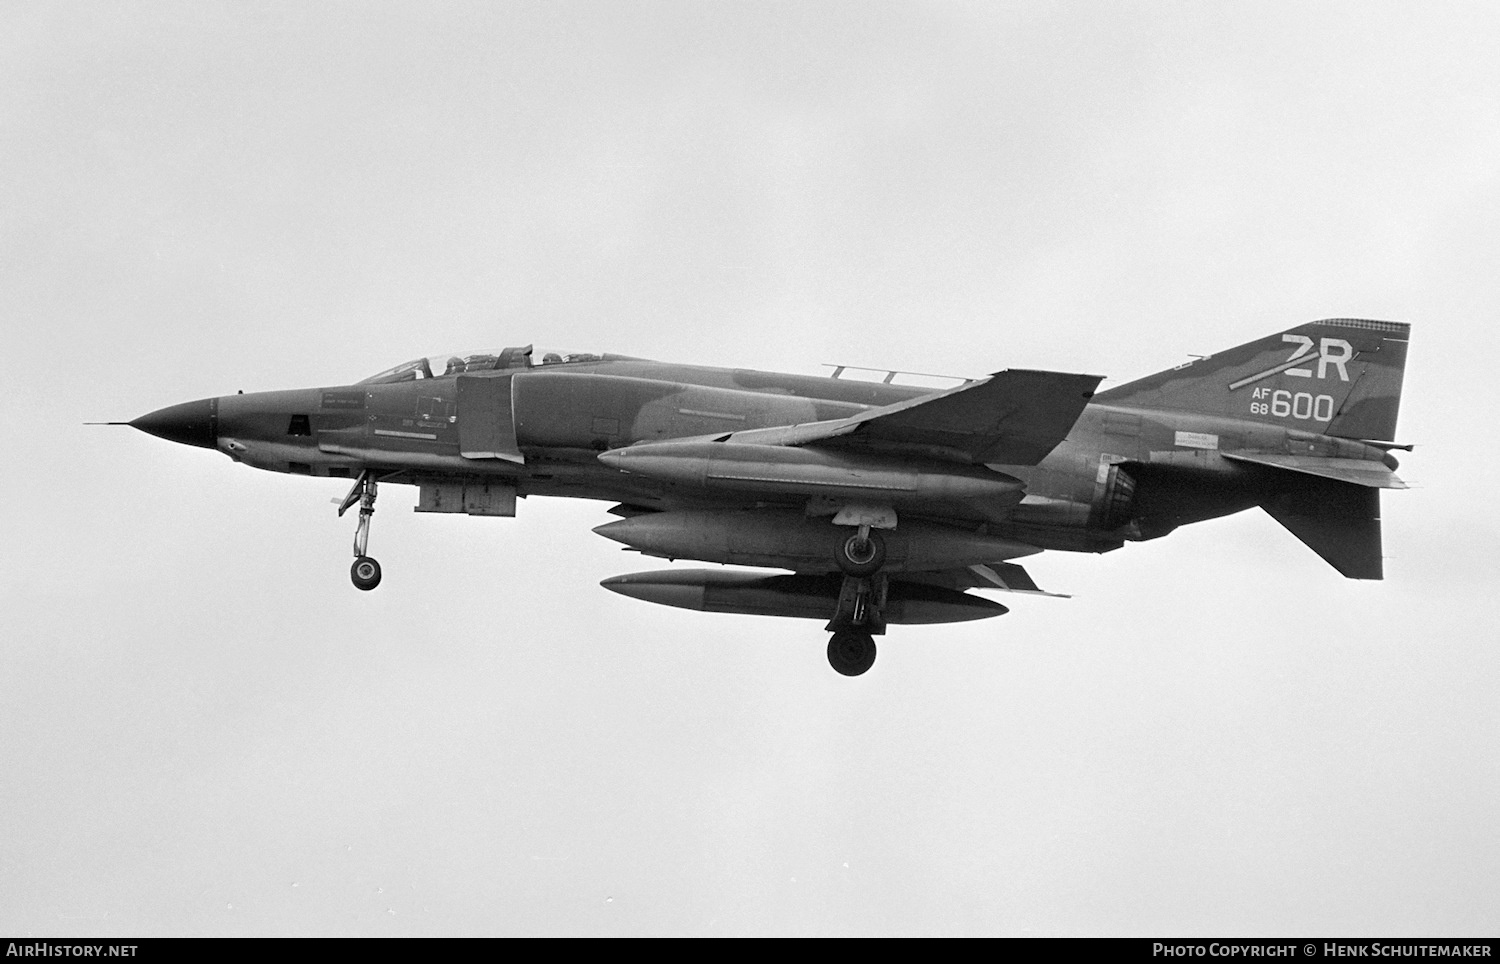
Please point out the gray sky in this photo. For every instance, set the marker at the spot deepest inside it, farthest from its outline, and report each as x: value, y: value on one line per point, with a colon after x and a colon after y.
x: 204, y: 729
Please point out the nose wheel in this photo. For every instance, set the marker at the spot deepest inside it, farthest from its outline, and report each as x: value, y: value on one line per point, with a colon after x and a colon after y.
x: 365, y: 573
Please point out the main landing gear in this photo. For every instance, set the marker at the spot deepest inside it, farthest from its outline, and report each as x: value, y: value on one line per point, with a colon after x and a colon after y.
x: 365, y: 573
x: 851, y: 652
x: 861, y: 554
x: 860, y: 617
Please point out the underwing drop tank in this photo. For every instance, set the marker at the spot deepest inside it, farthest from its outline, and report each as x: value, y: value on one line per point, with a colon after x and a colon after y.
x: 800, y: 595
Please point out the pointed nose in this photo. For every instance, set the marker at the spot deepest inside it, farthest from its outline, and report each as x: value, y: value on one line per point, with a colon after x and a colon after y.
x: 191, y: 423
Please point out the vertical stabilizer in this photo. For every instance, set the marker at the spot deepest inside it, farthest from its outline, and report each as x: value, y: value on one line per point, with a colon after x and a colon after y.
x: 1341, y: 376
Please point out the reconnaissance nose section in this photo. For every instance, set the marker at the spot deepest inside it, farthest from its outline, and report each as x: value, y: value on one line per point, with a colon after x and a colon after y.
x: 191, y: 423
x: 401, y: 423
x: 274, y: 431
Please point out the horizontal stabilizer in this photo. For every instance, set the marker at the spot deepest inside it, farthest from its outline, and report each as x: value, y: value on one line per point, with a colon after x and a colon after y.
x: 1375, y: 475
x: 1014, y: 417
x: 1340, y: 521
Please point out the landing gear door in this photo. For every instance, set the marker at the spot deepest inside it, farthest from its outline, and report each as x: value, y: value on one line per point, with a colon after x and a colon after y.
x: 486, y: 418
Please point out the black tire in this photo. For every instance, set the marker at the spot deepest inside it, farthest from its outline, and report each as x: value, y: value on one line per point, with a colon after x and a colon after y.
x: 861, y: 557
x: 851, y: 652
x: 365, y: 573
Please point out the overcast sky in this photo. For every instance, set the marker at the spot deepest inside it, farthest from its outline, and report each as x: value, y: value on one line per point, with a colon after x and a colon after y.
x: 204, y: 729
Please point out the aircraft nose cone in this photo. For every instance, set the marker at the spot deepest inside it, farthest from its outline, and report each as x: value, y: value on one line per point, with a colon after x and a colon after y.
x: 191, y: 423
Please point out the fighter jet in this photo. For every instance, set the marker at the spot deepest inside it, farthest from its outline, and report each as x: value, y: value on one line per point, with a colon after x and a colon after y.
x: 880, y: 502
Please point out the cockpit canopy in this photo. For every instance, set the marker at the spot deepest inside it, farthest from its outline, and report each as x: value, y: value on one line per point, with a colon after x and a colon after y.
x: 440, y: 365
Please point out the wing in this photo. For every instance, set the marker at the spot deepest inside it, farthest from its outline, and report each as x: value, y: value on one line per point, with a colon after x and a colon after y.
x: 1014, y: 417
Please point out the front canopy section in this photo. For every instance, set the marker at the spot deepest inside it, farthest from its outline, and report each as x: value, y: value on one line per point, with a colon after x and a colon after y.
x: 447, y: 364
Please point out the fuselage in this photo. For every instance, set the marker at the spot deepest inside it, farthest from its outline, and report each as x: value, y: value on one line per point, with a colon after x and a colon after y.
x: 883, y: 502
x: 1121, y: 474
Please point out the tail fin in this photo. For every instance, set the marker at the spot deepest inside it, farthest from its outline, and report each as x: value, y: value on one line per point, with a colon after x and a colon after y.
x: 1337, y: 377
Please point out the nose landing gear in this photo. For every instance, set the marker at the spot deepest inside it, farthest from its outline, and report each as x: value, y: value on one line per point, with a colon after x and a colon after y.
x: 365, y: 573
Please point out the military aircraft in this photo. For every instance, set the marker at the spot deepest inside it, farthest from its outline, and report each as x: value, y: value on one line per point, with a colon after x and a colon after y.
x: 883, y: 502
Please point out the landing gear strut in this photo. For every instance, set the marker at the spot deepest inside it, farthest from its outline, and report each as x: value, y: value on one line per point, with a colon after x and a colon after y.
x: 859, y: 619
x: 365, y: 573
x: 861, y: 554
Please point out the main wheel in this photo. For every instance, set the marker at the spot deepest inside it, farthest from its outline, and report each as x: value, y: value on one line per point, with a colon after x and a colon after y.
x: 851, y: 652
x: 861, y: 557
x: 365, y: 573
